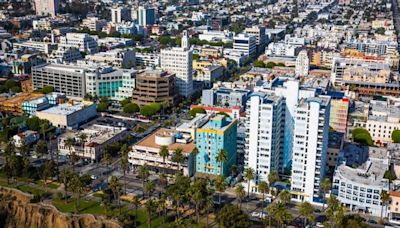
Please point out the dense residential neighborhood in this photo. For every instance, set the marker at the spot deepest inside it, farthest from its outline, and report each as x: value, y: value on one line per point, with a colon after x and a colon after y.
x: 199, y: 113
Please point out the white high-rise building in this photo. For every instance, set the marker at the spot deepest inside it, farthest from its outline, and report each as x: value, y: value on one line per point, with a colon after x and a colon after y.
x: 178, y: 60
x: 119, y: 14
x: 81, y: 41
x: 302, y: 63
x: 310, y: 141
x: 146, y: 16
x: 46, y: 7
x: 265, y: 122
x: 246, y: 43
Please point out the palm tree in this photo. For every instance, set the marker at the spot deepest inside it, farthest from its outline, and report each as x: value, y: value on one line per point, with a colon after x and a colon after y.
x: 194, y: 153
x: 41, y: 148
x: 164, y: 153
x: 124, y: 162
x: 221, y: 158
x: 196, y: 192
x: 24, y: 149
x: 306, y: 210
x: 249, y: 176
x: 107, y: 159
x: 178, y: 157
x: 150, y: 208
x: 162, y: 206
x: 263, y: 188
x: 220, y: 186
x: 149, y: 188
x: 69, y: 143
x: 144, y: 175
x: 280, y: 213
x: 273, y: 177
x: 78, y: 187
x: 48, y: 171
x: 208, y: 205
x: 115, y: 187
x: 136, y: 202
x: 240, y: 194
x: 385, y: 198
x: 325, y: 187
x: 82, y: 138
x: 234, y: 170
x: 66, y: 177
x: 285, y: 197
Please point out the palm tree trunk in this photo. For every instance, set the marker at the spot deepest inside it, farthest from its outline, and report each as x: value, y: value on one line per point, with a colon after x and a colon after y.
x: 219, y: 199
x: 248, y: 188
x: 197, y: 213
x: 136, y: 217
x: 262, y: 204
x: 208, y: 211
x: 124, y: 182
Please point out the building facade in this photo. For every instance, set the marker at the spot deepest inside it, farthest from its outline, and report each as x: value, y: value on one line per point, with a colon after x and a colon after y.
x: 154, y: 86
x: 310, y: 143
x: 219, y: 133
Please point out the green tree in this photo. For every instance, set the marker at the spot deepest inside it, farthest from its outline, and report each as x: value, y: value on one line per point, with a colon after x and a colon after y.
x: 325, y: 187
x: 124, y: 163
x: 150, y: 206
x: 240, y: 194
x: 220, y: 187
x: 125, y: 102
x: 285, y: 197
x: 362, y: 136
x: 194, y: 111
x: 249, y: 176
x: 11, y: 83
x: 79, y: 185
x: 16, y: 89
x: 178, y: 157
x: 116, y: 188
x: 396, y: 136
x: 263, y: 187
x: 270, y: 65
x: 221, y: 158
x: 136, y: 202
x: 66, y: 177
x: 41, y: 148
x: 231, y: 216
x: 130, y: 108
x: 33, y: 123
x: 273, y: 177
x: 259, y: 63
x: 49, y: 170
x: 279, y: 212
x: 164, y: 153
x: 385, y: 198
x: 144, y: 175
x: 102, y: 107
x: 306, y: 210
x: 332, y: 209
x: 47, y: 89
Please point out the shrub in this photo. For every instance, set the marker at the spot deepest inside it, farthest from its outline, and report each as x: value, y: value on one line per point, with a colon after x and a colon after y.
x: 396, y: 136
x: 193, y: 112
x: 362, y: 136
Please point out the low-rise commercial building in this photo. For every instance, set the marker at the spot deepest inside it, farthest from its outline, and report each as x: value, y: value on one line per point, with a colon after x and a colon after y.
x: 359, y: 178
x: 146, y: 152
x: 98, y: 137
x: 69, y: 115
x: 117, y: 57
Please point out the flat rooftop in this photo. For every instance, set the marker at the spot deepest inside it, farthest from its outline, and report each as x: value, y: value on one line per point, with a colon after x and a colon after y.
x: 67, y: 108
x: 364, y: 165
x: 96, y: 134
x: 150, y: 141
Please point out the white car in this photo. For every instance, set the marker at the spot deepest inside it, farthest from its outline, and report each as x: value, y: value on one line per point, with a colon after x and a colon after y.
x: 255, y: 214
x: 263, y: 215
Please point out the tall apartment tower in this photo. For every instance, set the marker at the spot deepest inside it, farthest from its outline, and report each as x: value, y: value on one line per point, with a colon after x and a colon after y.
x: 146, y: 15
x: 119, y: 14
x: 310, y: 142
x: 302, y: 63
x: 47, y: 7
x: 178, y: 60
x: 265, y: 123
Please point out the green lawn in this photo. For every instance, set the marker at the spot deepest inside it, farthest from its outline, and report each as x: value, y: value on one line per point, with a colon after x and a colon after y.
x: 31, y: 190
x: 86, y: 206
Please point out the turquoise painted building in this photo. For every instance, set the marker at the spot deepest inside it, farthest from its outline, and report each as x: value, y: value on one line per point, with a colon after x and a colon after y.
x: 220, y: 132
